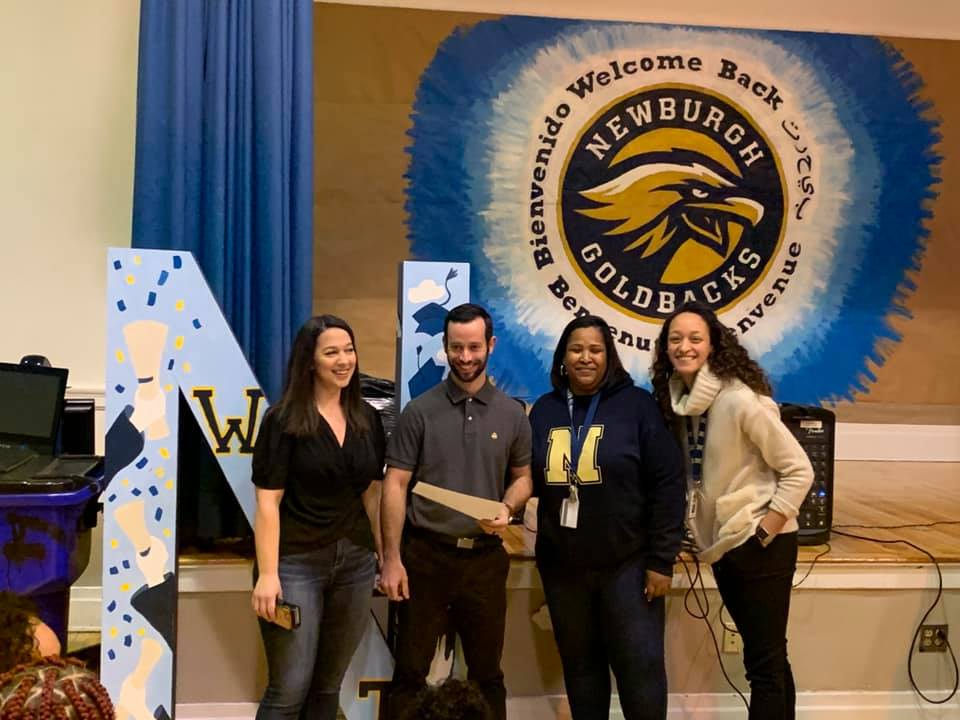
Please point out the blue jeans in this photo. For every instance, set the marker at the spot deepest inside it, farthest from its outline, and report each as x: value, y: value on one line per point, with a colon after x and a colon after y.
x: 602, y: 621
x: 333, y: 585
x: 755, y: 584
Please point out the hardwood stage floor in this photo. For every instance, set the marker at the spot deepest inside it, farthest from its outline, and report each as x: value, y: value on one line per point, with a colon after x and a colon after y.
x: 870, y: 494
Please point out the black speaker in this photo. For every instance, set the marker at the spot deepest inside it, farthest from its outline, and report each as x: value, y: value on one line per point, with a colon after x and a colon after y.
x: 816, y: 430
x: 77, y: 427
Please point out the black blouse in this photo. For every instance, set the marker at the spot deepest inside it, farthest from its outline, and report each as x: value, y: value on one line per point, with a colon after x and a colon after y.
x: 322, y: 481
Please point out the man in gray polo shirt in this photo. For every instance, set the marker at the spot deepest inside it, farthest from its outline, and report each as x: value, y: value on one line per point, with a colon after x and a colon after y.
x: 468, y: 436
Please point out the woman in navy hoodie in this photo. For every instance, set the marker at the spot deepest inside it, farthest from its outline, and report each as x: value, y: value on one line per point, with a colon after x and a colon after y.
x: 609, y: 476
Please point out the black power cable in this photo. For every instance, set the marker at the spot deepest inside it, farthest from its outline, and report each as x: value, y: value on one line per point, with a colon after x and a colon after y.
x: 917, y: 526
x: 704, y: 614
x: 812, y: 563
x: 923, y: 620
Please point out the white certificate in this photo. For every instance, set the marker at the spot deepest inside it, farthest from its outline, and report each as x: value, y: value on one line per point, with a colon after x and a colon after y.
x: 471, y: 505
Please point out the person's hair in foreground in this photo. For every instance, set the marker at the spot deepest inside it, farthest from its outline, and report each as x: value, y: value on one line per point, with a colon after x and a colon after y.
x: 53, y: 688
x: 451, y: 700
x: 17, y: 643
x: 23, y: 635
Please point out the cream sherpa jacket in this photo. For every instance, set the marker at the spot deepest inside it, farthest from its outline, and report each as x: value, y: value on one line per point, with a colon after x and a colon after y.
x: 751, y: 462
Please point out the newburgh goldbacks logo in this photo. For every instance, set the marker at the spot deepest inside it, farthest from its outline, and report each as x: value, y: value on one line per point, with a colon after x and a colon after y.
x: 671, y: 193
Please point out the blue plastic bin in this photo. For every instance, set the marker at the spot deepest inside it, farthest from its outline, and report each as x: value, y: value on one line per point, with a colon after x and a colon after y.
x: 45, y: 547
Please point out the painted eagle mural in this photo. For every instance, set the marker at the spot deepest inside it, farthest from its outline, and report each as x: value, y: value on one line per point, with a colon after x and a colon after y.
x: 676, y: 209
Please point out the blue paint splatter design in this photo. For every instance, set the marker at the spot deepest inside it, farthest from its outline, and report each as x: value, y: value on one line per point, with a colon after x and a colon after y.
x: 894, y: 169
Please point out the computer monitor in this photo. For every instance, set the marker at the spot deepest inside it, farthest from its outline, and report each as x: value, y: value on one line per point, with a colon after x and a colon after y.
x: 31, y: 401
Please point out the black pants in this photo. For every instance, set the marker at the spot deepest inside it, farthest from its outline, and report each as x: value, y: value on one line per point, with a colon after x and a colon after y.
x: 450, y: 586
x: 755, y: 583
x: 602, y: 621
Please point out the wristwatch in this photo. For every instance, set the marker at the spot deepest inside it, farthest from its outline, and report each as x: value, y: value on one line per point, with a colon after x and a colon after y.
x: 763, y: 536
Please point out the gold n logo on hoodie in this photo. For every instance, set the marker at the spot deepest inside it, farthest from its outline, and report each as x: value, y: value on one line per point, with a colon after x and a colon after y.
x: 559, y: 454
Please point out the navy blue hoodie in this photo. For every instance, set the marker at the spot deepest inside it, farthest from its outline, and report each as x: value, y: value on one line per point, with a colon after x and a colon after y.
x: 632, y: 485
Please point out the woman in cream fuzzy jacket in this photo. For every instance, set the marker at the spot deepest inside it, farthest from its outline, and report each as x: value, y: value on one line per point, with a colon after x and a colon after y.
x: 747, y: 477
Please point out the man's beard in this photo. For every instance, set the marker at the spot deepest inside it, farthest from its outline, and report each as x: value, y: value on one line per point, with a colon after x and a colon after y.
x: 478, y: 370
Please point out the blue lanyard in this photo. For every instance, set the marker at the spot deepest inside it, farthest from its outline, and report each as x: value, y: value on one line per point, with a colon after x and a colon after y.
x: 695, y: 444
x: 578, y: 437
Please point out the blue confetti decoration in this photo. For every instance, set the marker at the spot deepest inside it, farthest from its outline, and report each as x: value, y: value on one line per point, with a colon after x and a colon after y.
x: 114, y: 570
x: 153, y: 490
x: 117, y: 265
x: 126, y: 564
x: 151, y: 298
x: 170, y: 364
x: 196, y: 323
x: 158, y: 514
x: 136, y: 492
x: 177, y: 262
x: 121, y: 306
x: 111, y: 654
x: 112, y: 606
x: 163, y: 277
x: 142, y: 463
x: 127, y: 618
x: 112, y: 498
x: 119, y: 388
x: 128, y: 640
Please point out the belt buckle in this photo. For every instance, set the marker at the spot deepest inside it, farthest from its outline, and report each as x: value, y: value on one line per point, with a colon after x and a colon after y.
x: 465, y: 542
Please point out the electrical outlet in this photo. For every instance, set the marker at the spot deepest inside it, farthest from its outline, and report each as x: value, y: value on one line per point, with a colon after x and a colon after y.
x: 933, y: 638
x: 732, y: 642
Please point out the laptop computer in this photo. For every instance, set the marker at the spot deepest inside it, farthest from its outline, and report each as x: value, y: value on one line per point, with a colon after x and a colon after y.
x: 31, y: 405
x: 31, y: 402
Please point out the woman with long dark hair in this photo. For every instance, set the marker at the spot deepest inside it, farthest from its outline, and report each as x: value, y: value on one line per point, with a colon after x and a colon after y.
x: 610, y: 482
x: 317, y: 467
x: 746, y: 479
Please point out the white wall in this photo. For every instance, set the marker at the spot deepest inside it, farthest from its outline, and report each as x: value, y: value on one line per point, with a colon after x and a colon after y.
x: 68, y: 96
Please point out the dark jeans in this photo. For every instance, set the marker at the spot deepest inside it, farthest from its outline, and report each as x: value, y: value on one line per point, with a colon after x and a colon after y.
x: 333, y: 585
x: 449, y: 586
x: 755, y: 583
x: 602, y: 621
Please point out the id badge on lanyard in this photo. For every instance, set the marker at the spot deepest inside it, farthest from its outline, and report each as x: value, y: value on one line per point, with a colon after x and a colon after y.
x: 696, y: 440
x: 570, y: 507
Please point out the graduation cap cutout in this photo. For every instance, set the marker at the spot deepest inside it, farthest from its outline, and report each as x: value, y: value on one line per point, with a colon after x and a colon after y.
x: 426, y: 376
x: 431, y: 316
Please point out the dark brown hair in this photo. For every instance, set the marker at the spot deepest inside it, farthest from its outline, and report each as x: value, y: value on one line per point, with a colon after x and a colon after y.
x: 615, y: 371
x: 451, y: 700
x: 66, y: 690
x: 17, y: 618
x: 465, y: 313
x: 728, y: 358
x: 297, y: 409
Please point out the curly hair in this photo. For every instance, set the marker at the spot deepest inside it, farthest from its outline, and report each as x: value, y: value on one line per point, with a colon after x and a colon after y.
x: 728, y: 358
x: 17, y: 618
x: 53, y: 688
x: 451, y: 700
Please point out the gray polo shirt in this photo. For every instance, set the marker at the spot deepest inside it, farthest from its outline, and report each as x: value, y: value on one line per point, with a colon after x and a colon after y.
x: 461, y: 443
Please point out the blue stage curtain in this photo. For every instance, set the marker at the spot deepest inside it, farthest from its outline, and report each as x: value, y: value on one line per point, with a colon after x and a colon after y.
x: 224, y: 159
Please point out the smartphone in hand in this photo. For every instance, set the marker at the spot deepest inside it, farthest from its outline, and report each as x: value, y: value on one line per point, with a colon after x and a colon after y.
x: 287, y: 615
